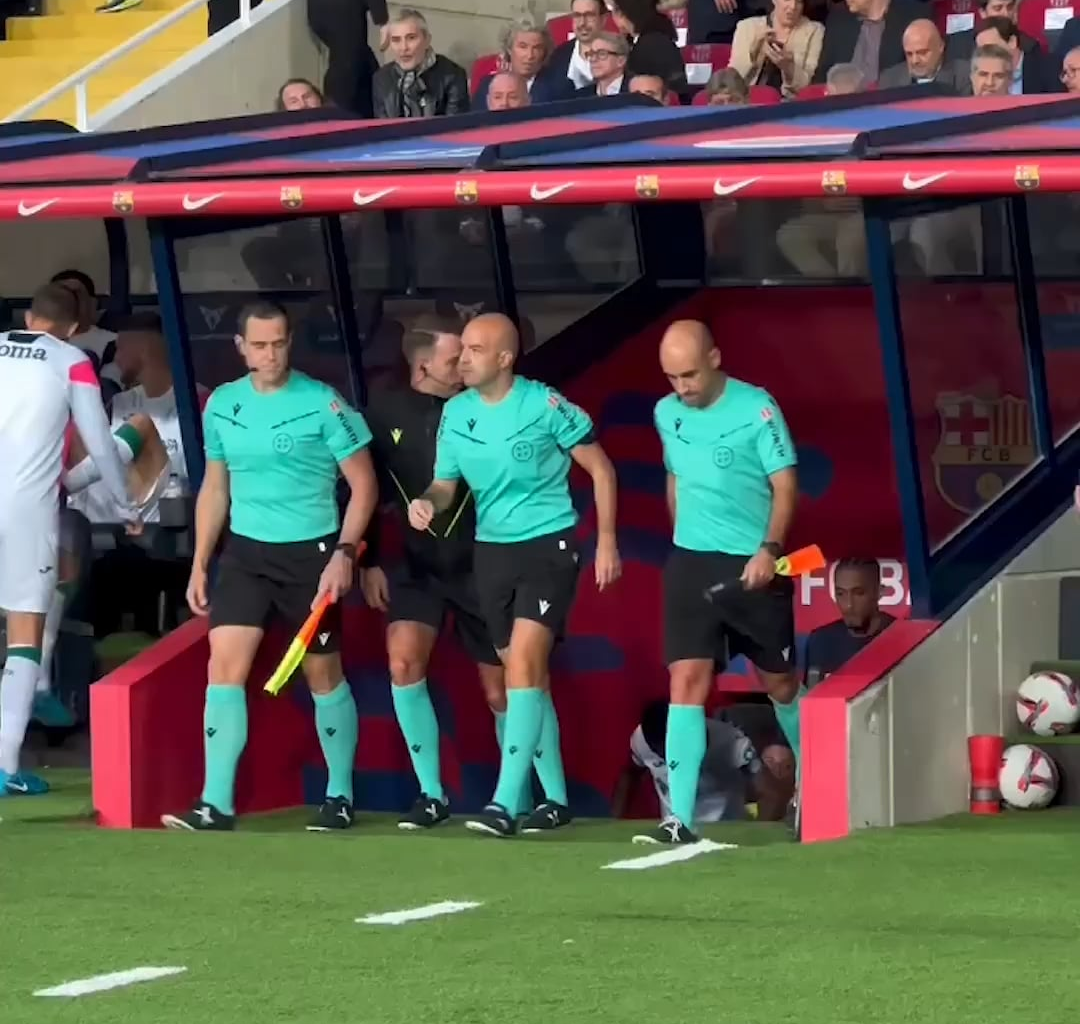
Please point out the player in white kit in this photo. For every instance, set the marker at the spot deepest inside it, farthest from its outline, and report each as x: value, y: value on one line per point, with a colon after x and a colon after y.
x: 45, y: 383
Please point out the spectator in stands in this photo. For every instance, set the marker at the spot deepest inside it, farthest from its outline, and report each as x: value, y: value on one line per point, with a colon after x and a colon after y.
x: 857, y: 589
x: 653, y: 50
x: 97, y: 343
x: 780, y: 49
x: 1070, y: 70
x: 342, y: 27
x: 526, y: 49
x: 607, y: 55
x: 507, y: 91
x: 727, y: 88
x: 417, y: 82
x: 652, y: 86
x: 961, y: 45
x: 298, y: 94
x: 568, y: 60
x: 715, y: 21
x: 868, y: 34
x: 1068, y: 40
x: 925, y: 62
x: 1032, y: 72
x: 991, y: 70
x: 843, y: 80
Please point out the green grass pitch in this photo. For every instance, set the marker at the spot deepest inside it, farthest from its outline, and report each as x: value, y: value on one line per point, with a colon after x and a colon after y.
x: 968, y: 920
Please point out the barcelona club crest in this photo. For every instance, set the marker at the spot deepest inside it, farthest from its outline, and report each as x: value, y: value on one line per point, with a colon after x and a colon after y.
x: 984, y: 445
x: 834, y: 183
x: 123, y: 202
x: 1027, y: 177
x: 647, y: 186
x: 466, y: 192
x: 292, y: 197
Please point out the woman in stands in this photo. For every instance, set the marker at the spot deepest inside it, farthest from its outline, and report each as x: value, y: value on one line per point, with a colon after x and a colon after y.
x: 652, y: 42
x: 780, y: 49
x: 727, y: 88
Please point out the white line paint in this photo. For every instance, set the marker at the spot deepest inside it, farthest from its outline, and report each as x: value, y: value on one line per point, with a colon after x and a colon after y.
x: 419, y: 913
x: 105, y: 982
x: 670, y: 856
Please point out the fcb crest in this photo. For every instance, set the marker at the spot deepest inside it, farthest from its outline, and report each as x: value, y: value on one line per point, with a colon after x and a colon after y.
x: 984, y: 445
x: 123, y: 202
x: 647, y: 186
x: 1027, y: 177
x: 834, y: 183
x: 292, y: 197
x: 466, y: 192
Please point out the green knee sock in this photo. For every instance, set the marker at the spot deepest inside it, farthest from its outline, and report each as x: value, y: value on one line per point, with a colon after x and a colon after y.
x: 685, y: 750
x: 225, y: 724
x: 419, y: 726
x: 548, y: 758
x: 338, y: 726
x: 525, y: 801
x: 524, y: 715
x: 787, y: 717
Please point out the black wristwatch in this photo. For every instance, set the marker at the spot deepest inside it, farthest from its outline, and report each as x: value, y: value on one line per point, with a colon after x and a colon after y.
x: 772, y: 548
x: 348, y: 549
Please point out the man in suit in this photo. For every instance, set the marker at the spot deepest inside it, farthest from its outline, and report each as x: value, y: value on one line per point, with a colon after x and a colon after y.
x: 1034, y: 71
x: 868, y: 34
x: 925, y: 62
x: 607, y: 55
x: 961, y: 45
x: 527, y: 47
x: 568, y: 60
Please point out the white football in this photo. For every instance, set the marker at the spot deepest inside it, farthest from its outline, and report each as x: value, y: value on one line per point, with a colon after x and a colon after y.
x: 1028, y: 778
x: 1048, y: 703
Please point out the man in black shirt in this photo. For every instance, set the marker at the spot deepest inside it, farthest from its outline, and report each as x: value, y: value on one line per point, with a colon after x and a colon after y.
x: 436, y: 574
x: 857, y: 587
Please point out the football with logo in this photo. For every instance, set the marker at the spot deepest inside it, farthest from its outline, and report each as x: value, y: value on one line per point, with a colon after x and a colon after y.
x: 1048, y: 703
x: 1028, y: 778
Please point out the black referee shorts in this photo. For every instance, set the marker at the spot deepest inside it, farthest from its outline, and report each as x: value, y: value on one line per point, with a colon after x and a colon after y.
x: 759, y: 624
x: 256, y: 579
x: 418, y: 596
x: 531, y: 579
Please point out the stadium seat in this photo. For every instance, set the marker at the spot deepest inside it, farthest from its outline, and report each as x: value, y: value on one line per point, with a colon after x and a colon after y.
x: 682, y: 24
x: 703, y: 60
x: 1044, y: 19
x: 760, y: 95
x: 955, y: 15
x: 701, y: 99
x: 561, y: 27
x: 812, y: 92
x: 484, y: 66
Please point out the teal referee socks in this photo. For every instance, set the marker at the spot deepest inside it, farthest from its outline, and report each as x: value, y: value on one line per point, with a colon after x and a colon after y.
x: 225, y: 727
x: 338, y: 726
x: 420, y: 727
x: 787, y: 717
x: 684, y: 748
x: 548, y: 757
x: 524, y: 721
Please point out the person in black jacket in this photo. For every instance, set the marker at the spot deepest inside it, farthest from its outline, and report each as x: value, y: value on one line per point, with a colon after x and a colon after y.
x: 868, y: 34
x: 436, y: 575
x: 1034, y: 71
x: 417, y: 82
x: 342, y: 27
x: 653, y: 50
x: 961, y: 45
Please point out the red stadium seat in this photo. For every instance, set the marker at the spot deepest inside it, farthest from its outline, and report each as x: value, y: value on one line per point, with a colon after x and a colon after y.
x: 1044, y: 19
x: 701, y: 99
x: 812, y: 92
x: 761, y: 95
x: 955, y: 15
x: 703, y: 60
x: 673, y: 100
x: 681, y: 22
x: 561, y: 27
x: 484, y: 66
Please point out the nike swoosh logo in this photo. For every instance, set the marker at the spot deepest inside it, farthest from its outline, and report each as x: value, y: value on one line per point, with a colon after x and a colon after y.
x: 197, y: 204
x: 366, y: 199
x: 736, y: 186
x: 540, y: 194
x: 29, y: 209
x: 914, y: 184
x: 18, y: 787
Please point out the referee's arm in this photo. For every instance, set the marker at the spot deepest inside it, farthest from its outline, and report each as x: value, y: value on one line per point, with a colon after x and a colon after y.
x: 211, y: 513
x: 349, y: 440
x: 441, y: 491
x: 777, y: 453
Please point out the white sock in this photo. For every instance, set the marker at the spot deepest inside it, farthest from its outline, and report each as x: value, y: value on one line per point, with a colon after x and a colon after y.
x: 86, y: 473
x: 16, y: 701
x: 48, y: 641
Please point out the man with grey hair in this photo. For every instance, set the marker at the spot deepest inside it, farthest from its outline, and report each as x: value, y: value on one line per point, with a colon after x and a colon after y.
x: 417, y: 82
x: 606, y: 54
x: 507, y: 91
x: 526, y: 49
x: 843, y: 80
x: 991, y: 70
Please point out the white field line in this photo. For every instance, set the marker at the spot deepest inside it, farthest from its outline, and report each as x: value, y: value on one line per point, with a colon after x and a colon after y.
x: 105, y: 982
x: 419, y: 913
x: 674, y: 855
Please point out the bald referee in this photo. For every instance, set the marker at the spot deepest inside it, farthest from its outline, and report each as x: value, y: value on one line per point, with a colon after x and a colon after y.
x: 512, y: 441
x: 732, y: 491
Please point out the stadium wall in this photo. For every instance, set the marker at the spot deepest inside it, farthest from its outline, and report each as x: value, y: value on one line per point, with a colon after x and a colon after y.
x: 886, y: 738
